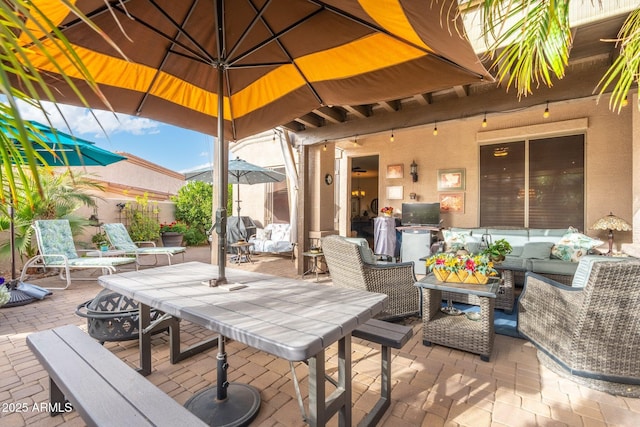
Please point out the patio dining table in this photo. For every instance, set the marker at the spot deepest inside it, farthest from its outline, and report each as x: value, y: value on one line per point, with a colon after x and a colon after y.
x: 287, y: 318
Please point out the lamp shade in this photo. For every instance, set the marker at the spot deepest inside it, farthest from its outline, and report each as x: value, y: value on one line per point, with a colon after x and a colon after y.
x: 611, y: 222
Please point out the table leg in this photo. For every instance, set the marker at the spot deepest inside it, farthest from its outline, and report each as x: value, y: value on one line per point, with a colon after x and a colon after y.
x: 144, y: 321
x: 321, y: 407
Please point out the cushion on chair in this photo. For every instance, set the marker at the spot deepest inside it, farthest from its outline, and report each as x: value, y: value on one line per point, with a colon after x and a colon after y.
x: 56, y: 238
x: 363, y: 246
x: 119, y: 237
x: 586, y: 264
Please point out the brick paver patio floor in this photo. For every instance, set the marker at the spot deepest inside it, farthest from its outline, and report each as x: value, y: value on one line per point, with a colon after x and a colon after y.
x: 432, y: 386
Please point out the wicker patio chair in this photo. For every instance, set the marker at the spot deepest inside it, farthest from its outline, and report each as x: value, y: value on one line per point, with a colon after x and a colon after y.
x: 348, y: 270
x: 589, y: 334
x: 57, y: 250
x: 119, y: 238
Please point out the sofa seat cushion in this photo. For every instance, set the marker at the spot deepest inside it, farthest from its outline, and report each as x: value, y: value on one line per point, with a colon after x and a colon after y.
x: 553, y: 266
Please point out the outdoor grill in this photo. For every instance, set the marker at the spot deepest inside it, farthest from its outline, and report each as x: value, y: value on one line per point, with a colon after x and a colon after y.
x: 112, y: 317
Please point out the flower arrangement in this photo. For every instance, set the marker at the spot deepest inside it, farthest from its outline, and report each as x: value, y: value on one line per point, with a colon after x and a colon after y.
x: 387, y: 210
x: 461, y: 268
x: 175, y: 227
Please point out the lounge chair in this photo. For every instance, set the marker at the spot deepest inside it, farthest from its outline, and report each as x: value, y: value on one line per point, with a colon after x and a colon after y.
x: 57, y: 250
x: 119, y: 238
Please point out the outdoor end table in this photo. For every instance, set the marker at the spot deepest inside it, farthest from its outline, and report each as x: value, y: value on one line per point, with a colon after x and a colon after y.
x: 474, y: 336
x: 287, y: 318
x: 315, y: 268
x: 242, y: 252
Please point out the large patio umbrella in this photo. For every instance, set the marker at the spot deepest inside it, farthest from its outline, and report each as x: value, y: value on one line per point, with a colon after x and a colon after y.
x: 56, y: 148
x: 235, y: 68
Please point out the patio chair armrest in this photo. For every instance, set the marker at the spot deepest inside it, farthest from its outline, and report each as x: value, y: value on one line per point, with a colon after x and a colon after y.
x: 547, y: 313
x: 147, y: 243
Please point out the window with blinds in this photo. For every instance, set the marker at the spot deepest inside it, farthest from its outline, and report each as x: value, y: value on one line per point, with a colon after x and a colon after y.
x: 537, y: 183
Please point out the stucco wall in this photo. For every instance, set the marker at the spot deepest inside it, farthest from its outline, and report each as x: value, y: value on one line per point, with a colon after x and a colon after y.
x: 608, y: 166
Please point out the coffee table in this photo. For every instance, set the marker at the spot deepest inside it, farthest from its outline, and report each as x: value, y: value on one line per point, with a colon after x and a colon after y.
x: 474, y: 336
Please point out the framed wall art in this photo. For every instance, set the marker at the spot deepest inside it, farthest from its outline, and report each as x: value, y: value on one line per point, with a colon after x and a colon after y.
x: 395, y: 171
x: 395, y: 192
x: 451, y: 179
x: 451, y: 202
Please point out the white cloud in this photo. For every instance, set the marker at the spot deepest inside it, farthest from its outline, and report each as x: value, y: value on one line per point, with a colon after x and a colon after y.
x: 196, y: 168
x: 80, y: 121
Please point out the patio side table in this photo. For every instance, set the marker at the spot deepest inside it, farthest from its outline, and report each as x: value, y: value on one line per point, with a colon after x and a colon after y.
x: 243, y: 254
x: 315, y: 268
x: 458, y: 331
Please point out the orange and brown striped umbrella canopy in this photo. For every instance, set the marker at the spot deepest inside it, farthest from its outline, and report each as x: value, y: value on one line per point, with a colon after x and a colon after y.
x: 279, y: 59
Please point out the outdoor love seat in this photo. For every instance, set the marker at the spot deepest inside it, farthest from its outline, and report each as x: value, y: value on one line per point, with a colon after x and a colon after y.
x: 588, y: 332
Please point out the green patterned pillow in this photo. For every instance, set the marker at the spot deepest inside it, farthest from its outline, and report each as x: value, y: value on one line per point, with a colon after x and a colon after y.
x: 573, y: 246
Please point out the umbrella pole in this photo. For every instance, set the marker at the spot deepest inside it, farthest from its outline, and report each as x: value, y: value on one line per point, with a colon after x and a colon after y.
x: 12, y: 232
x: 221, y: 214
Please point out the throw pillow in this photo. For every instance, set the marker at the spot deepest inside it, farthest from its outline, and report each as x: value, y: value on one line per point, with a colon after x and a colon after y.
x: 537, y: 250
x: 453, y: 240
x: 573, y: 246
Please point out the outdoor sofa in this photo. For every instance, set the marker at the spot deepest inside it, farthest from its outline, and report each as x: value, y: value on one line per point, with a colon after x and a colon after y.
x: 552, y: 252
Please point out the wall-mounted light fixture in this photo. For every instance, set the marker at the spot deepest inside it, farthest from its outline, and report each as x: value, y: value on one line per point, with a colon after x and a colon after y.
x: 435, y: 128
x: 414, y: 171
x: 392, y: 138
x: 484, y: 121
x: 546, y: 111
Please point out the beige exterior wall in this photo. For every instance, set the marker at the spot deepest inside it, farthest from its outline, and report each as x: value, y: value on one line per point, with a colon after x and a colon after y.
x: 123, y: 182
x: 608, y: 166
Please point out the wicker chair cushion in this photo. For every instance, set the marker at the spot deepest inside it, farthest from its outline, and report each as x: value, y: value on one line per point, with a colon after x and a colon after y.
x: 363, y: 246
x: 584, y: 268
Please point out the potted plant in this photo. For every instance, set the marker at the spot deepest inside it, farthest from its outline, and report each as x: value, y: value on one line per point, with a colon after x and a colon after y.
x: 498, y: 250
x: 100, y: 240
x: 172, y: 233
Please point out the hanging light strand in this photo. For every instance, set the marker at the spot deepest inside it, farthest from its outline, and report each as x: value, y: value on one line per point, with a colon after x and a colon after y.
x: 546, y: 113
x: 484, y: 121
x: 435, y: 128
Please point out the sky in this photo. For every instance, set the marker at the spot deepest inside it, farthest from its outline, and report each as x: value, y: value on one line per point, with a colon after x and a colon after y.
x: 169, y: 146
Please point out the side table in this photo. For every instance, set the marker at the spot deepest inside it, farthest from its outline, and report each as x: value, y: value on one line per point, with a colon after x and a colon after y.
x: 243, y: 254
x: 458, y: 331
x: 315, y: 268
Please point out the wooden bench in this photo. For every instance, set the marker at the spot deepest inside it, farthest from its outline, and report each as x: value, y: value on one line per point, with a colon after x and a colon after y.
x: 388, y: 335
x: 101, y: 387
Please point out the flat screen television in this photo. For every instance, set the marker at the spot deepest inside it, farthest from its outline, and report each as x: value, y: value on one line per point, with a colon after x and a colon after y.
x: 421, y: 214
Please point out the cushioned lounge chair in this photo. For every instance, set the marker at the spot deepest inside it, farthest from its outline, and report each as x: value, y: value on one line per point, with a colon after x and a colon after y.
x: 590, y: 331
x: 119, y: 238
x: 57, y: 250
x: 350, y: 269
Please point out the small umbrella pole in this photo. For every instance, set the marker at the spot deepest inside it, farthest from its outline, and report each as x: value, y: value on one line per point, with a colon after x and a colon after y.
x: 12, y: 232
x: 222, y: 182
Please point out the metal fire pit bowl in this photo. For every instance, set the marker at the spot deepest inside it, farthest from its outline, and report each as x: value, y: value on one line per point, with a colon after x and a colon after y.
x: 112, y: 317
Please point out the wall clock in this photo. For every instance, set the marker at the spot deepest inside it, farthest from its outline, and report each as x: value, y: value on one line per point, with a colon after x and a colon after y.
x: 328, y: 179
